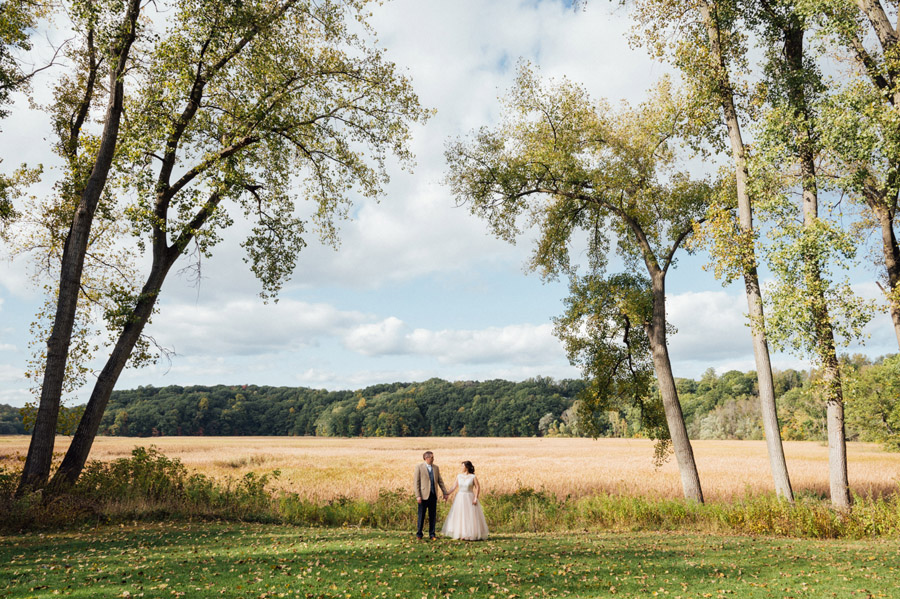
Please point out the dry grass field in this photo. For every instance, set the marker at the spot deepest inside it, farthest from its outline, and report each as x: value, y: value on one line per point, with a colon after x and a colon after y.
x: 324, y: 468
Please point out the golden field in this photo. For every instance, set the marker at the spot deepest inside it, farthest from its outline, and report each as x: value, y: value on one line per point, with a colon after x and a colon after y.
x: 322, y: 468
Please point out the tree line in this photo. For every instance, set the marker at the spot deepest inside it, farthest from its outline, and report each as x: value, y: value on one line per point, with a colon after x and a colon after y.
x: 434, y: 407
x: 722, y: 406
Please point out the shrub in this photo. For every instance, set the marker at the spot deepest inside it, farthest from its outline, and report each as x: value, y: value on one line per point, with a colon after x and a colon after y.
x: 147, y: 474
x: 147, y: 485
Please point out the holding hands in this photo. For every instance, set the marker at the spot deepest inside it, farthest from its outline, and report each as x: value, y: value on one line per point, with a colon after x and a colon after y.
x: 465, y: 520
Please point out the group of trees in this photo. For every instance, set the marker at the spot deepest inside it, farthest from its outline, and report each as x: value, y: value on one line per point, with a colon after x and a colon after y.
x: 622, y: 180
x: 171, y: 120
x: 231, y: 102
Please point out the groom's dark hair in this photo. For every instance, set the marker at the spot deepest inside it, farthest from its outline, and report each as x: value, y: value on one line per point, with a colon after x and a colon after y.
x: 426, y: 454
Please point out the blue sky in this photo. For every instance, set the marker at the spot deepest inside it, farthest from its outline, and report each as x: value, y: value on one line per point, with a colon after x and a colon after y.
x: 418, y: 288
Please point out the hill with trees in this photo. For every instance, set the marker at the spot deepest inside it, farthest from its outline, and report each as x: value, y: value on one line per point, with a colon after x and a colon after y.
x: 11, y: 421
x: 716, y: 406
x: 434, y: 407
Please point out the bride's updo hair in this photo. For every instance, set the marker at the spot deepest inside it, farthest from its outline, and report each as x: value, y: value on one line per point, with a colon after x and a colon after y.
x: 469, y: 467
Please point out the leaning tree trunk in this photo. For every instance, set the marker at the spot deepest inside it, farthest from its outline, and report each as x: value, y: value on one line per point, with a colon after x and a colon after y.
x: 164, y: 256
x: 777, y: 462
x: 824, y: 333
x: 40, y: 452
x: 656, y: 331
x: 83, y: 439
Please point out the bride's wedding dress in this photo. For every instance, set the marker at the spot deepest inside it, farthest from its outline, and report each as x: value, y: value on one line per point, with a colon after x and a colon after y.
x: 465, y: 520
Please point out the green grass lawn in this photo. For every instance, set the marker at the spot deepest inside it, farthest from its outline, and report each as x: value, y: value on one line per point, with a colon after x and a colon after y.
x: 255, y: 561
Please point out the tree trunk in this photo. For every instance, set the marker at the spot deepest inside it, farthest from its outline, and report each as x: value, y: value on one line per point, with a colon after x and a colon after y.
x: 891, y: 263
x: 77, y: 454
x: 777, y: 462
x: 826, y: 349
x: 656, y: 331
x: 837, y: 445
x: 40, y: 452
x: 834, y: 399
x: 164, y: 257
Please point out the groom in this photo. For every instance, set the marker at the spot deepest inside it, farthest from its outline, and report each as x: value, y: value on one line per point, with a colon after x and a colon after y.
x: 425, y: 482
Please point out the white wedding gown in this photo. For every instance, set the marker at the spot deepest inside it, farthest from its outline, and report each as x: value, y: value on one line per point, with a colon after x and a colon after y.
x: 465, y: 521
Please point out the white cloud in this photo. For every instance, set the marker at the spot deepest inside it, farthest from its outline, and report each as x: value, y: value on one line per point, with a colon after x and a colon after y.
x: 390, y: 336
x: 14, y: 279
x: 15, y: 397
x: 11, y: 374
x: 247, y: 327
x: 198, y: 368
x: 514, y: 344
x: 713, y: 333
x: 319, y: 378
x: 712, y: 326
x: 328, y: 379
x: 459, y: 61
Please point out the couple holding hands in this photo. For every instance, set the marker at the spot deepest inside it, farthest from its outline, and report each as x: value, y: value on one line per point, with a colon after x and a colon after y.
x: 465, y: 519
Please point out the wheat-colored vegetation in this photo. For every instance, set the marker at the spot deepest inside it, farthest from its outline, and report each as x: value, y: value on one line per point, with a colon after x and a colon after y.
x: 321, y: 469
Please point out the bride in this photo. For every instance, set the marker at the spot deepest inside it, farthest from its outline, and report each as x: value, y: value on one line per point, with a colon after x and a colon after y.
x: 466, y: 520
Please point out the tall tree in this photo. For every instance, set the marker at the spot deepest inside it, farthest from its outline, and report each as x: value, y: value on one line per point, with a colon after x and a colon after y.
x: 808, y: 306
x: 571, y: 167
x: 253, y: 104
x: 704, y: 40
x: 860, y: 130
x: 108, y: 31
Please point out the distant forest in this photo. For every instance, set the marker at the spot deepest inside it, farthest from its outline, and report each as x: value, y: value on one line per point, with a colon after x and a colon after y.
x: 715, y: 407
x: 11, y: 421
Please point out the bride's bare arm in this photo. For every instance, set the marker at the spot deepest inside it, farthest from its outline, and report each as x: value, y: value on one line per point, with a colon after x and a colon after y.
x: 477, y: 489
